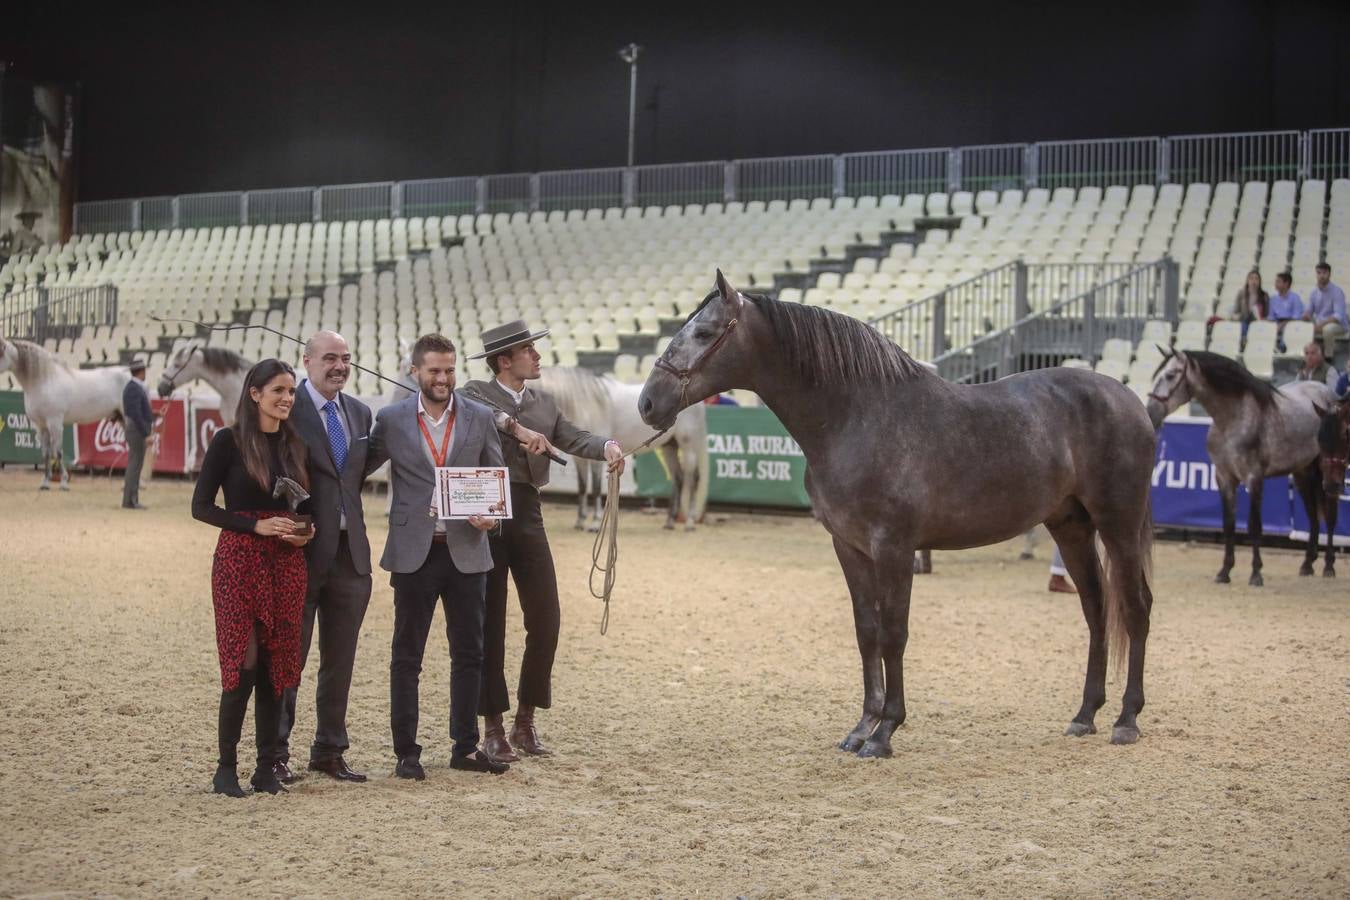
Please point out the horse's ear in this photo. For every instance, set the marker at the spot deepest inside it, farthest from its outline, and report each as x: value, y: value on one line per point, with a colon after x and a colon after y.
x: 729, y: 294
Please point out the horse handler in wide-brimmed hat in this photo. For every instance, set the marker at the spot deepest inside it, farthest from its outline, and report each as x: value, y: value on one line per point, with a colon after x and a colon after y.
x: 521, y: 548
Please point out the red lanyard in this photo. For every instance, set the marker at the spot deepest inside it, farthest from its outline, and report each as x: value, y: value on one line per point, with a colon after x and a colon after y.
x: 438, y: 458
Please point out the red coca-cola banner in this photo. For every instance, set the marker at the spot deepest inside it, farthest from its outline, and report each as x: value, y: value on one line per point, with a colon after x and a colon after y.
x: 103, y: 445
x: 206, y: 421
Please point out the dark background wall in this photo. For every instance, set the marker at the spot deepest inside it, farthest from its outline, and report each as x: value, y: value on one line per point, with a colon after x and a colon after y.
x: 196, y: 97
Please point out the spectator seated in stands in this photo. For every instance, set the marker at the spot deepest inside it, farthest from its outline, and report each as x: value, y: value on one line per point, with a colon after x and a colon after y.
x: 1316, y: 367
x: 1252, y: 302
x: 1342, y: 387
x: 1285, y: 305
x: 1326, y: 310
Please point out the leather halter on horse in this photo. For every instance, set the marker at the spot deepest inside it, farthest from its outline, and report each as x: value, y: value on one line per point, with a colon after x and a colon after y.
x: 684, y: 375
x: 173, y: 379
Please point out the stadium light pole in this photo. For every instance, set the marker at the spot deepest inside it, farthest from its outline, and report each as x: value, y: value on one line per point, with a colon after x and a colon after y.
x: 629, y: 55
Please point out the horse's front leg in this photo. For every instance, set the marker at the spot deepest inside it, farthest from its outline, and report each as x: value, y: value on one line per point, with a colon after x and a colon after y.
x: 581, y: 494
x: 1254, y: 530
x: 672, y: 460
x: 689, y: 493
x: 45, y: 450
x: 894, y: 578
x: 858, y: 573
x: 1330, y: 509
x: 1308, y: 482
x: 59, y: 455
x: 1228, y: 495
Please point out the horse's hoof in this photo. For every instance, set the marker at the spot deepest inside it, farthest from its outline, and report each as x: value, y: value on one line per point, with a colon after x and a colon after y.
x: 1328, y: 572
x: 1256, y: 580
x: 1222, y: 578
x: 580, y: 526
x: 1305, y: 570
x: 1024, y: 556
x: 44, y: 487
x: 64, y: 486
x: 690, y: 527
x: 1078, y: 729
x: 875, y: 750
x: 1124, y: 734
x: 669, y: 526
x: 851, y: 744
x: 593, y: 528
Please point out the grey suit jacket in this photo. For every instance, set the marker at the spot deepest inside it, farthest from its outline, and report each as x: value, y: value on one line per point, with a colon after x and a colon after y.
x: 397, y: 438
x: 330, y: 492
x: 539, y: 412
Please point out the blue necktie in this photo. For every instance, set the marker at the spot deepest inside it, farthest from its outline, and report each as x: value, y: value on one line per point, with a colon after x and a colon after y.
x: 337, y: 438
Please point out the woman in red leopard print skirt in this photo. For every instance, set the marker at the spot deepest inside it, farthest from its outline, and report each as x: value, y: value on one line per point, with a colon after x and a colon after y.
x: 258, y: 577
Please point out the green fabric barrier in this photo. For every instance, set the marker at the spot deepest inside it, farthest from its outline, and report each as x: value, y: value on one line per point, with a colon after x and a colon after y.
x: 751, y: 460
x: 19, y: 440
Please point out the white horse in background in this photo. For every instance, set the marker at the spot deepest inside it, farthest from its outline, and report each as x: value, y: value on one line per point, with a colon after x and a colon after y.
x: 223, y: 369
x: 603, y: 405
x: 54, y: 394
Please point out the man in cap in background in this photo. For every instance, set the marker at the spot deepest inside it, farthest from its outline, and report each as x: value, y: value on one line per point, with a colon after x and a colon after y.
x: 521, y: 546
x: 139, y: 425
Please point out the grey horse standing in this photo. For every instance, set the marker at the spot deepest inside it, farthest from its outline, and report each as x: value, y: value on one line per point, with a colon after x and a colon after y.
x: 900, y: 460
x: 1258, y: 432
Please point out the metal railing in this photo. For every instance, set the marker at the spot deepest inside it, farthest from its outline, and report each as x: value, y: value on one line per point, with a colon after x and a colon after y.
x: 39, y: 313
x: 1263, y: 156
x: 992, y: 300
x: 1074, y: 327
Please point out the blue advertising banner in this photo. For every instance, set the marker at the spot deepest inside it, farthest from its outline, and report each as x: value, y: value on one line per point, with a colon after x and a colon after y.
x: 1300, y: 529
x: 1185, y: 494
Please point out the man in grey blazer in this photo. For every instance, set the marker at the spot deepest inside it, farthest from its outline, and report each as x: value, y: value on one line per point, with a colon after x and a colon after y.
x: 431, y: 558
x: 336, y: 429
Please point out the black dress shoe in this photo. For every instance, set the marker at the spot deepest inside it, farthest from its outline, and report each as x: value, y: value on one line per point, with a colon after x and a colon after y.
x: 409, y: 767
x: 336, y: 768
x: 284, y: 773
x: 479, y: 762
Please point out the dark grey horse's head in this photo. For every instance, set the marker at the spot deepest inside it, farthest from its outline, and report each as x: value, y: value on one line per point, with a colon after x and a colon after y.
x: 707, y: 356
x: 1333, y: 442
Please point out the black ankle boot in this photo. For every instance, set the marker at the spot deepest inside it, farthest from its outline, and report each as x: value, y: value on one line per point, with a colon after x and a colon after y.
x: 227, y: 782
x: 266, y: 726
x: 233, y: 707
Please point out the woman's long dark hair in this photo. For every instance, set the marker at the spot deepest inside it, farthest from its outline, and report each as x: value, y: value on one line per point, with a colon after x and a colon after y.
x: 249, y: 437
x: 1261, y: 301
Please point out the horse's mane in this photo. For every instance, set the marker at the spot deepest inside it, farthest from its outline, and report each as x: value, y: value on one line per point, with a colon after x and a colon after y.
x: 829, y: 349
x: 223, y: 361
x: 581, y: 394
x: 31, y: 360
x: 1230, y: 378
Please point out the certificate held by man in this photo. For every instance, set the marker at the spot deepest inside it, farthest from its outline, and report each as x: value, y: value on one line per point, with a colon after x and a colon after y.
x: 466, y: 491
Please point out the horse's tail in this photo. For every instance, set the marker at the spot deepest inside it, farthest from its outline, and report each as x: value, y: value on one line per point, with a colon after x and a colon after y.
x: 1121, y: 604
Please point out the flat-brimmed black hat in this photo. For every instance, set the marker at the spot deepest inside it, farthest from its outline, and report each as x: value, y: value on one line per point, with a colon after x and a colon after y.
x: 504, y: 337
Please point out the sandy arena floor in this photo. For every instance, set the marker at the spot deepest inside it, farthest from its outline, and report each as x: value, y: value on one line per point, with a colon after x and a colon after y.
x: 695, y: 741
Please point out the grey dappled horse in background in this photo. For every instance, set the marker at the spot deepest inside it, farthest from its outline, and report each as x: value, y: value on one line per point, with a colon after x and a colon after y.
x: 900, y: 460
x: 603, y: 405
x: 1257, y: 432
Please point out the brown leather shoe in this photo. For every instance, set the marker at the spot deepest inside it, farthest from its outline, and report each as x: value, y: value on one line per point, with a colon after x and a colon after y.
x: 284, y: 773
x: 494, y: 740
x: 1059, y: 584
x: 336, y: 769
x: 523, y: 736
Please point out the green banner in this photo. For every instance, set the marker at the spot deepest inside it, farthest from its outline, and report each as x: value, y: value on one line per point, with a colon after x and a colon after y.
x: 18, y: 439
x: 751, y: 460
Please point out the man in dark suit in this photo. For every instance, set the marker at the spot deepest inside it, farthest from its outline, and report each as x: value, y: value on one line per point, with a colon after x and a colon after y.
x: 521, y: 549
x: 336, y: 430
x: 138, y: 424
x: 432, y: 559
